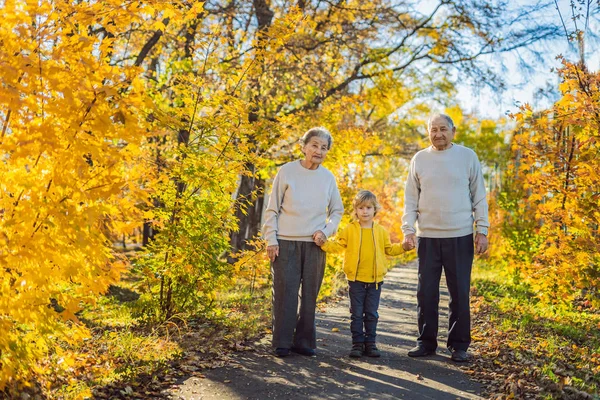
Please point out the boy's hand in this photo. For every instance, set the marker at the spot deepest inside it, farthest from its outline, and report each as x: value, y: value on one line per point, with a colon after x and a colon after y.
x: 410, y: 242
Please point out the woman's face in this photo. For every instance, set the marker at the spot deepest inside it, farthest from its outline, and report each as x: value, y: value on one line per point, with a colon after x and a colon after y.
x: 315, y: 150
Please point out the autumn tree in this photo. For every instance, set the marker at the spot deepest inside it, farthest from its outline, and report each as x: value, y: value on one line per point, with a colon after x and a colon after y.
x: 73, y: 130
x: 557, y: 167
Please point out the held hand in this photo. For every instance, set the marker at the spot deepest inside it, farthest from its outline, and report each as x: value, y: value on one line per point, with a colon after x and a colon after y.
x: 319, y: 238
x: 410, y: 242
x: 273, y: 252
x: 481, y: 243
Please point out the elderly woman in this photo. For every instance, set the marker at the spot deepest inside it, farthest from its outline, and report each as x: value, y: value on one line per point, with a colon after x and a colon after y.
x: 305, y: 207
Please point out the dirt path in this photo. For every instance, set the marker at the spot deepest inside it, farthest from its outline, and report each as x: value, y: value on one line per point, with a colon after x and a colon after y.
x: 332, y: 374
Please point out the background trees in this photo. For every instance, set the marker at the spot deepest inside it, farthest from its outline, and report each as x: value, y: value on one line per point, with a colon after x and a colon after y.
x: 554, y: 186
x: 173, y: 116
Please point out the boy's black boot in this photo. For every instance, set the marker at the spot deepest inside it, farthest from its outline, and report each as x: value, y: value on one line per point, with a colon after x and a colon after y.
x: 371, y: 350
x: 357, y: 350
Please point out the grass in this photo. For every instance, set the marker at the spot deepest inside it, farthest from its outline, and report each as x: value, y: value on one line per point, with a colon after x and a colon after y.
x: 130, y: 355
x: 556, y: 347
x: 244, y: 315
x: 127, y: 356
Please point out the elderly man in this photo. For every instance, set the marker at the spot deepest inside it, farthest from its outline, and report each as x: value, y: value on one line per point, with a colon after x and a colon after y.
x: 445, y: 196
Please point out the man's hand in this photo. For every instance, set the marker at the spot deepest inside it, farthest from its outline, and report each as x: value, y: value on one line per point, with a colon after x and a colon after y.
x: 319, y: 238
x: 273, y: 252
x: 481, y: 243
x: 410, y: 242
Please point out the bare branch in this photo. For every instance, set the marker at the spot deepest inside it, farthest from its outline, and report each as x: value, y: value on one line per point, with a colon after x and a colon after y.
x: 150, y: 44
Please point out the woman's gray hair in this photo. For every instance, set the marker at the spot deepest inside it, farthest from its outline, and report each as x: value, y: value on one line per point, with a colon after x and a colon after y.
x: 439, y: 115
x: 317, y: 131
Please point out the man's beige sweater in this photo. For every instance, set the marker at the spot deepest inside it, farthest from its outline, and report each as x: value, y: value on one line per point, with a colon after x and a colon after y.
x: 445, y: 194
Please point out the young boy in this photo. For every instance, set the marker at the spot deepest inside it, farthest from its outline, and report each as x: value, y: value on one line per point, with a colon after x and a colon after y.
x: 366, y: 244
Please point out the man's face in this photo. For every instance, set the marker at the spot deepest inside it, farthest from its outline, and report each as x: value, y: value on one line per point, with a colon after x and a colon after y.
x: 440, y: 133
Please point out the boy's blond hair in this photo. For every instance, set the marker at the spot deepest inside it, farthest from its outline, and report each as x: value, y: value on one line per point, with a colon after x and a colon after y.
x: 362, y: 197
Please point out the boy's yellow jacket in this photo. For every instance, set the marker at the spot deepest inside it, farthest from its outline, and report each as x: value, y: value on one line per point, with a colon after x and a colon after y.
x: 349, y: 239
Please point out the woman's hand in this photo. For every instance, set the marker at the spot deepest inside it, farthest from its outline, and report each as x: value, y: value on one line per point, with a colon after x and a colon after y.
x: 273, y: 252
x: 319, y: 238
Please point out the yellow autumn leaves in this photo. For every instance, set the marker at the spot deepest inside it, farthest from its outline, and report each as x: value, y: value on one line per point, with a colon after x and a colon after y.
x: 65, y: 162
x: 557, y: 169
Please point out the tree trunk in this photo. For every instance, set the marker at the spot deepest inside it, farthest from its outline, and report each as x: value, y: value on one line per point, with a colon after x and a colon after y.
x: 249, y: 211
x: 250, y: 197
x: 147, y: 233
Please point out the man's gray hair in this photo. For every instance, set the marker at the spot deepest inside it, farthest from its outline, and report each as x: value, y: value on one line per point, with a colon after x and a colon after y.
x: 317, y: 131
x: 439, y: 115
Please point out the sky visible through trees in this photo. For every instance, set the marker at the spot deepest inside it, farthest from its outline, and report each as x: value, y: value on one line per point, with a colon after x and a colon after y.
x: 530, y: 77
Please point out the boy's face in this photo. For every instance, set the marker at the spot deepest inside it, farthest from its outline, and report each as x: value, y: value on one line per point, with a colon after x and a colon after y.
x: 365, y: 212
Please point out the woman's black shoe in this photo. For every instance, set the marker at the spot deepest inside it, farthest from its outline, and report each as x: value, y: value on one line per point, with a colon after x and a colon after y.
x: 282, y: 352
x: 304, y: 351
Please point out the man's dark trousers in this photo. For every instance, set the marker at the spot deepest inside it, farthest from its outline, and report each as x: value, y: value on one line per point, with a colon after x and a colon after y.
x: 455, y: 256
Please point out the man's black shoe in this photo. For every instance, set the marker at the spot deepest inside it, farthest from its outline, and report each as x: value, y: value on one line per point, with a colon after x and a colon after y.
x: 282, y: 352
x: 420, y: 351
x: 459, y: 356
x: 304, y: 351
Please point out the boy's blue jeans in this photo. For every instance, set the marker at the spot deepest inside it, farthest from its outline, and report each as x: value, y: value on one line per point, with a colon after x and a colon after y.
x: 364, y: 303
